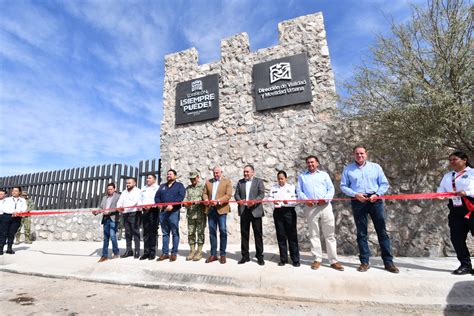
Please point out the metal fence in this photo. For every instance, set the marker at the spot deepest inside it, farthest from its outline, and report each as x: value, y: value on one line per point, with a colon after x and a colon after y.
x: 78, y: 187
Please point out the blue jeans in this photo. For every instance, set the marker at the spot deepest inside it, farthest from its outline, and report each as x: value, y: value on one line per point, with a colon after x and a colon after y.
x: 214, y: 219
x: 377, y: 214
x: 110, y: 232
x: 169, y: 222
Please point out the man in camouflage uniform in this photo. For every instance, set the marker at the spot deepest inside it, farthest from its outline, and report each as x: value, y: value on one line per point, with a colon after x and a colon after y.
x: 195, y: 216
x: 25, y: 220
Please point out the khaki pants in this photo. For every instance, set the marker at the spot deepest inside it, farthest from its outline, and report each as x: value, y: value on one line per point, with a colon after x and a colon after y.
x: 321, y: 217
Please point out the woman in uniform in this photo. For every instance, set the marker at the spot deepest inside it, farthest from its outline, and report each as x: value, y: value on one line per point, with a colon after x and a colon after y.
x: 461, y: 220
x: 284, y: 215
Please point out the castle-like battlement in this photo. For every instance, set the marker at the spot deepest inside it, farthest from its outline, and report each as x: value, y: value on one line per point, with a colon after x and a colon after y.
x: 301, y: 31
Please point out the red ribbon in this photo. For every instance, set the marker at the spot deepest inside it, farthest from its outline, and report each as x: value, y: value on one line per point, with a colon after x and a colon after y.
x: 414, y: 196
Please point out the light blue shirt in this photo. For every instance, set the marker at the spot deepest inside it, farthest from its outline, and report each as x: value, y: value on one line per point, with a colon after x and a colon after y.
x: 368, y: 178
x: 314, y: 186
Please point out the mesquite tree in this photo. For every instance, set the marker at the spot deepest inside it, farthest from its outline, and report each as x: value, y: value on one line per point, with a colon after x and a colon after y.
x: 414, y: 94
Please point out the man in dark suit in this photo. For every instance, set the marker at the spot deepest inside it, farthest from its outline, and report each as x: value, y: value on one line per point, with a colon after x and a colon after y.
x: 110, y: 221
x: 250, y: 188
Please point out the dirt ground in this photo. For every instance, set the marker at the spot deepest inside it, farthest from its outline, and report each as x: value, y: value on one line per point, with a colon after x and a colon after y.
x: 31, y: 295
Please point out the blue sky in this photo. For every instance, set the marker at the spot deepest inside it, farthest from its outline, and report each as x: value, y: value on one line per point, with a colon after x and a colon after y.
x: 81, y: 82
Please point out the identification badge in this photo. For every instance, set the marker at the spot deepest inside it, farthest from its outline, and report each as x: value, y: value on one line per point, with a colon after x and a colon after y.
x: 457, y: 201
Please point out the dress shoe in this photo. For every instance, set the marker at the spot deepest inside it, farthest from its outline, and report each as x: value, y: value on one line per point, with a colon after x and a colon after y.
x: 390, y: 267
x: 315, y: 265
x: 261, y: 262
x: 337, y: 266
x: 151, y: 257
x: 136, y: 255
x: 127, y: 254
x: 145, y: 256
x: 282, y: 263
x: 363, y: 267
x: 102, y: 259
x: 163, y: 257
x: 10, y: 251
x: 296, y: 264
x: 173, y: 258
x: 462, y: 270
x: 222, y: 260
x: 211, y: 259
x: 243, y: 260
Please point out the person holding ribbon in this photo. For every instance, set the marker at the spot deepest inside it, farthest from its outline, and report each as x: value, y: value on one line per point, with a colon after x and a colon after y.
x: 284, y: 216
x: 195, y: 216
x: 10, y: 221
x: 316, y: 186
x: 216, y: 195
x: 172, y: 192
x: 365, y: 181
x: 110, y: 218
x: 460, y: 219
x: 249, y: 191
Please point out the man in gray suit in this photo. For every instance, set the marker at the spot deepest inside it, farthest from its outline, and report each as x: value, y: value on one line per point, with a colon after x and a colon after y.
x: 250, y: 188
x: 110, y: 221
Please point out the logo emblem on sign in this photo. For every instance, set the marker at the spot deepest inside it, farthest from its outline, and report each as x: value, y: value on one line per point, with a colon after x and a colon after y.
x: 196, y: 85
x: 280, y: 71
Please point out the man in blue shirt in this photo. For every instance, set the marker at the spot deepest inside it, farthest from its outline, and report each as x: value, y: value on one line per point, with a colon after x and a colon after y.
x: 314, y: 184
x: 365, y: 181
x: 171, y: 191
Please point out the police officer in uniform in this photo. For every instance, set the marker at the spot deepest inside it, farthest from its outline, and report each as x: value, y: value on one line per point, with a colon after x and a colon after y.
x: 196, y: 216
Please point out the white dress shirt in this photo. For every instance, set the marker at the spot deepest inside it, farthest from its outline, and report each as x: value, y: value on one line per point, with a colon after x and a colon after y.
x: 130, y: 198
x: 148, y: 194
x: 215, y: 185
x: 1, y: 206
x: 248, y: 185
x: 286, y: 192
x: 12, y: 205
x: 464, y: 181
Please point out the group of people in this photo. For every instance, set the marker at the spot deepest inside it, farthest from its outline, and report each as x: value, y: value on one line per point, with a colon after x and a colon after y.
x: 10, y: 225
x: 209, y: 201
x: 362, y: 180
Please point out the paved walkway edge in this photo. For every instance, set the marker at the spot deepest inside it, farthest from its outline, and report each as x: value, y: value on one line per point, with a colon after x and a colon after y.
x: 461, y: 308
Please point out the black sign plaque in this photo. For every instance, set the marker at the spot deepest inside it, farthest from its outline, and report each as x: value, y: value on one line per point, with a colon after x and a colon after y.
x: 282, y: 82
x: 197, y: 100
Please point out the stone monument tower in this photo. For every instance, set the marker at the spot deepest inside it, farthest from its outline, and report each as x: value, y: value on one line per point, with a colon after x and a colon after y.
x: 280, y: 134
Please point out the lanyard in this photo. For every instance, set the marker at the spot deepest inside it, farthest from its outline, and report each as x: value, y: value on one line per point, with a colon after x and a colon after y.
x: 16, y: 202
x: 454, y: 178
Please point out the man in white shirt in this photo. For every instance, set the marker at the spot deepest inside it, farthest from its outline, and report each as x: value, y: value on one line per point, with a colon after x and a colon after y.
x: 132, y: 217
x: 150, y: 218
x: 3, y: 195
x: 10, y: 222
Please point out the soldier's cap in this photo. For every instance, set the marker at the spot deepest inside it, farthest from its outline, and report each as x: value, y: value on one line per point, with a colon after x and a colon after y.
x: 24, y: 193
x: 193, y: 174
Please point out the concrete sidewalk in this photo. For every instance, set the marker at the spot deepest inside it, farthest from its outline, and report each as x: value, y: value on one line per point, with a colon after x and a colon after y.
x: 423, y: 284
